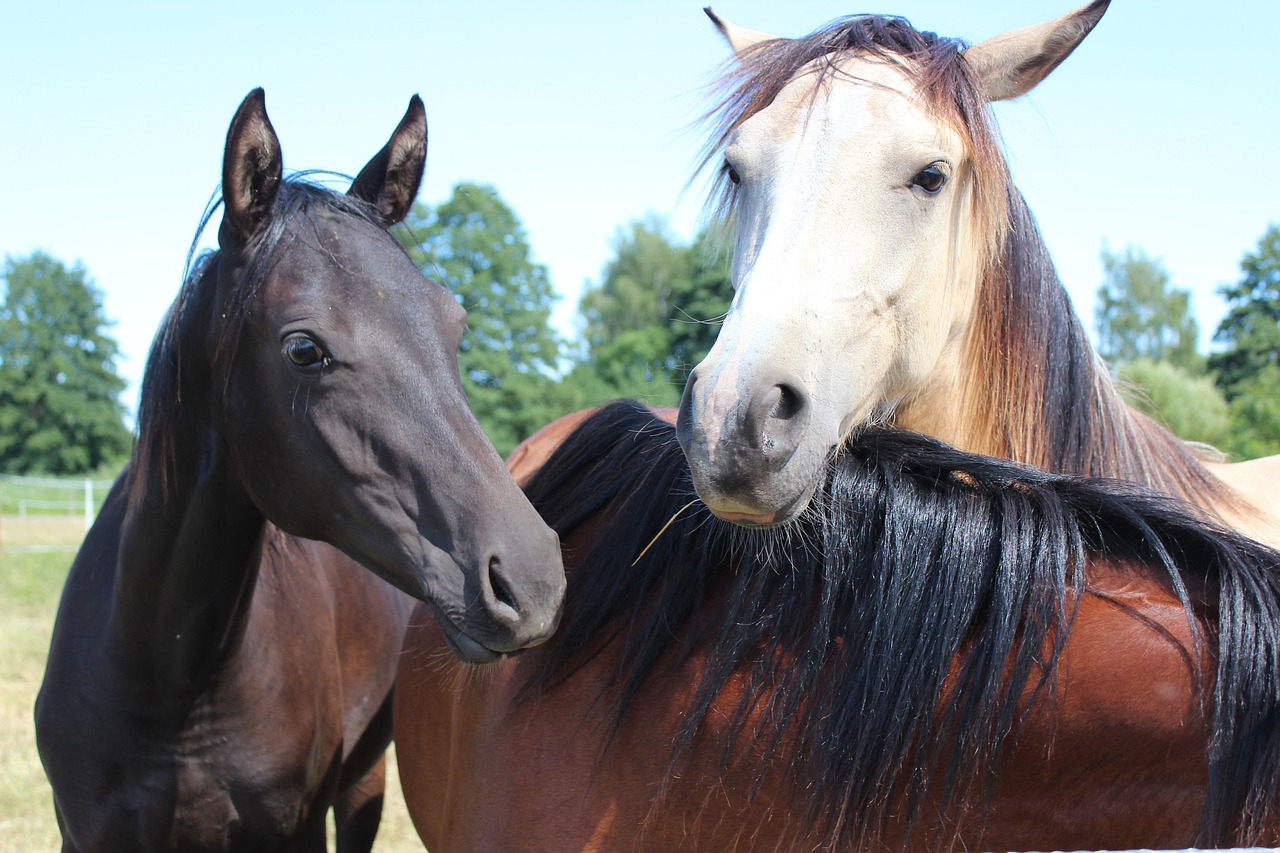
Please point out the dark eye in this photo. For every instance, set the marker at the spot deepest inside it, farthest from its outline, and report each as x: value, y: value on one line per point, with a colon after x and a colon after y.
x: 734, y: 177
x: 930, y: 179
x: 304, y: 352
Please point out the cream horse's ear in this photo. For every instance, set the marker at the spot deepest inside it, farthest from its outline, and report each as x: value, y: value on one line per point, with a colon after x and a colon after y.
x: 739, y: 38
x: 1012, y: 64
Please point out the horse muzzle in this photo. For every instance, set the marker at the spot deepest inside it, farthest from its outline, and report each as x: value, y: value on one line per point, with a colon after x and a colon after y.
x: 751, y: 455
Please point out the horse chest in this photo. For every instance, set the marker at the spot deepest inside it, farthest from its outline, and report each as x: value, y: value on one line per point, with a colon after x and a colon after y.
x: 224, y: 774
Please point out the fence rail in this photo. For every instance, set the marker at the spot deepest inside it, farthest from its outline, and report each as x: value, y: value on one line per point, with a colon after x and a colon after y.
x: 42, y: 513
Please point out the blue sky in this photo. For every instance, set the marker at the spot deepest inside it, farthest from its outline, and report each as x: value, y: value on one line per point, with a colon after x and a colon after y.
x: 1161, y: 131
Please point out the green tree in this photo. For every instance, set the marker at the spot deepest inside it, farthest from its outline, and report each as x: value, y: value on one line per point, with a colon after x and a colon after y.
x: 1251, y: 328
x: 700, y: 303
x: 1255, y: 415
x: 475, y: 244
x: 1140, y: 316
x: 651, y: 318
x: 1191, y: 406
x: 60, y: 411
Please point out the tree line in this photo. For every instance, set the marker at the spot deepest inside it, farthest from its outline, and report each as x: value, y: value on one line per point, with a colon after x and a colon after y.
x: 1229, y: 398
x: 650, y: 318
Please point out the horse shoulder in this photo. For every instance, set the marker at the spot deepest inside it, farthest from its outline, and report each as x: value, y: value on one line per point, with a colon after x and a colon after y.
x: 462, y: 741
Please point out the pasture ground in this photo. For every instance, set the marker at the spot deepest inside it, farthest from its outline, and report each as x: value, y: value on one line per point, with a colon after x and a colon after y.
x: 34, y: 556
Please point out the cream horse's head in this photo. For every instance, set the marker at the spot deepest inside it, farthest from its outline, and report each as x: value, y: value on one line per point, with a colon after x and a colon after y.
x: 870, y: 196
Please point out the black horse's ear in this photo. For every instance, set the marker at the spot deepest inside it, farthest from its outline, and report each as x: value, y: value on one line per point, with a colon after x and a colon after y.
x: 391, y: 179
x: 251, y: 167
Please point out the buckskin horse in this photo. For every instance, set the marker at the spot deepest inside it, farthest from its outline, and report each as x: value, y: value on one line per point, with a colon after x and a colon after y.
x: 944, y: 651
x: 226, y: 643
x: 886, y: 269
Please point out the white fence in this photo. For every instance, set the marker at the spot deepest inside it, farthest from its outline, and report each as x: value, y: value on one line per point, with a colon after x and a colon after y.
x: 23, y: 496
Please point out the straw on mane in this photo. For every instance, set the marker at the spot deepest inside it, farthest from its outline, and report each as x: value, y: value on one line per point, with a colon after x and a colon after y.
x: 1034, y: 390
x: 178, y: 374
x: 841, y: 629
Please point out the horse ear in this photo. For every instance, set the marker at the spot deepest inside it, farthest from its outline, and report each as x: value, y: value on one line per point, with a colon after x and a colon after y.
x: 251, y: 167
x: 391, y: 179
x: 740, y: 39
x: 1012, y: 64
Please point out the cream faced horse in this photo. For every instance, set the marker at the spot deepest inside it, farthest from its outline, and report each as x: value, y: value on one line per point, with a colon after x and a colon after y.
x: 886, y: 269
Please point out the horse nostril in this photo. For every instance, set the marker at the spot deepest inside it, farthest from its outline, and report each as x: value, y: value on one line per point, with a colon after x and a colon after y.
x: 501, y: 591
x: 790, y: 403
x: 776, y: 421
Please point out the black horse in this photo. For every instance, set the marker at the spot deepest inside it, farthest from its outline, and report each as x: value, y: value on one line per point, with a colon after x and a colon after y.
x: 217, y: 679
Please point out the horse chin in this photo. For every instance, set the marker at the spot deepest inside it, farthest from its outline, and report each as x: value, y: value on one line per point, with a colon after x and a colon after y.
x: 762, y: 519
x: 467, y: 649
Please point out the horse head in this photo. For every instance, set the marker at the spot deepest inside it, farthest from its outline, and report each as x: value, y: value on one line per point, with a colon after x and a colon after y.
x: 870, y: 196
x: 337, y: 389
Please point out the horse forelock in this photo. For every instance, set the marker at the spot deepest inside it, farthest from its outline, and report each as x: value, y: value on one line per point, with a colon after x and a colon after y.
x: 838, y: 634
x: 947, y: 87
x: 173, y: 351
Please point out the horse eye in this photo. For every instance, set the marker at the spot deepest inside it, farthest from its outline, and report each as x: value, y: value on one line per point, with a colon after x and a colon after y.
x: 304, y: 352
x: 930, y: 179
x: 734, y: 177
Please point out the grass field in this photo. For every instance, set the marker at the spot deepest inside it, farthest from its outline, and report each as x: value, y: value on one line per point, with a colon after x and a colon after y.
x: 34, y: 556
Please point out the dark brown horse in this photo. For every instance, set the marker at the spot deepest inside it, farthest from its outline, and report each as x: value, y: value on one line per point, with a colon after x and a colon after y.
x: 217, y: 681
x: 945, y: 650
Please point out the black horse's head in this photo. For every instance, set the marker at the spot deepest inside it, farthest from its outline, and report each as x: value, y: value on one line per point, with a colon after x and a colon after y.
x: 340, y: 395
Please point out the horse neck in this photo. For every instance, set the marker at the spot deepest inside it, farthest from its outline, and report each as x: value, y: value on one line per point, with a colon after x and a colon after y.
x: 187, y: 560
x: 1026, y: 384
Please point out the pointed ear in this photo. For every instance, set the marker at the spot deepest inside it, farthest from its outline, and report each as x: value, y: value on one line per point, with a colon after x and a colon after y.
x: 740, y: 39
x: 251, y: 167
x: 391, y: 179
x: 1012, y: 64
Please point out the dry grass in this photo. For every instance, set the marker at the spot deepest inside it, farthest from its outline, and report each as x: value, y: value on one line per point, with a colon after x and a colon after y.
x: 30, y: 582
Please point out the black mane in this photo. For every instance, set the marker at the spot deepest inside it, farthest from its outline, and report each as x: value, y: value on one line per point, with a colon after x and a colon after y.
x: 844, y: 625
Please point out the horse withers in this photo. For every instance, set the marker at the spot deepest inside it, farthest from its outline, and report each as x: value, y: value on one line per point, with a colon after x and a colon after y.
x: 224, y: 651
x: 877, y: 223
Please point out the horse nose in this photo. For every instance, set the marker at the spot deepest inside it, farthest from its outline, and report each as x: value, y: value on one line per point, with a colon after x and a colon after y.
x: 522, y: 604
x: 775, y: 419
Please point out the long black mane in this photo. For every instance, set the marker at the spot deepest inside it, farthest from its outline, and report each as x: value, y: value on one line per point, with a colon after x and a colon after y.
x: 844, y: 626
x: 191, y: 322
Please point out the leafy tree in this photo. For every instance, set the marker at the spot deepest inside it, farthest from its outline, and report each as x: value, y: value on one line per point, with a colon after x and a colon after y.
x: 1255, y: 415
x: 60, y: 411
x: 646, y: 323
x: 1140, y: 316
x: 475, y: 245
x: 1251, y: 329
x: 1191, y: 406
x: 700, y: 302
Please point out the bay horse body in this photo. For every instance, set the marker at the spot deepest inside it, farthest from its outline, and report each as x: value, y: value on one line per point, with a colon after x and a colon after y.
x: 944, y: 651
x: 221, y: 665
x: 886, y: 269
